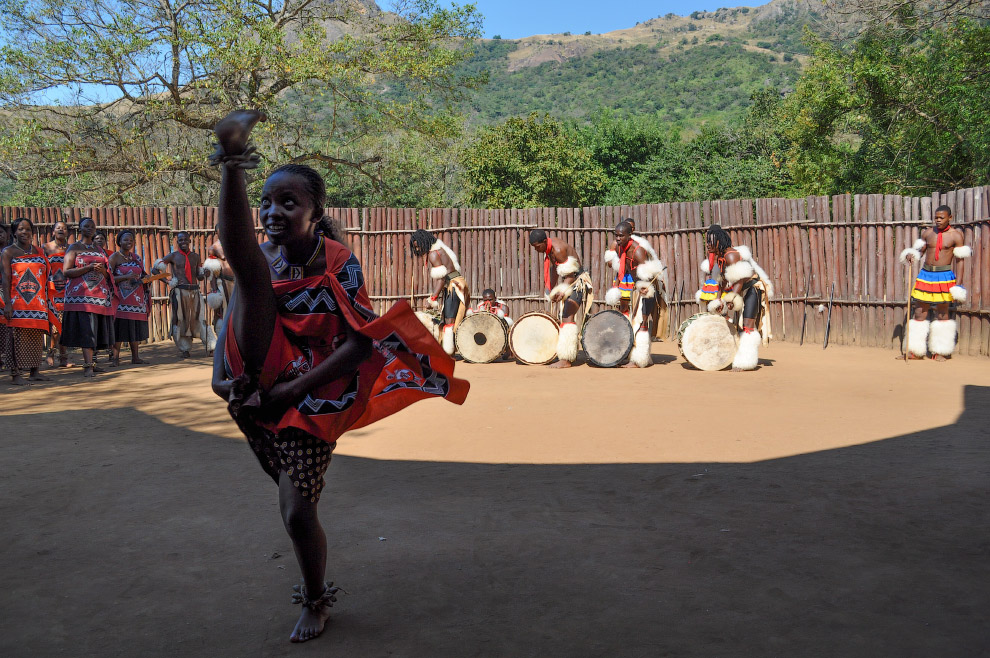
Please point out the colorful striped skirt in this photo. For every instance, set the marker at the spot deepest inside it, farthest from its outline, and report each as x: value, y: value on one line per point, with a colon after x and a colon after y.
x: 933, y: 287
x: 709, y: 290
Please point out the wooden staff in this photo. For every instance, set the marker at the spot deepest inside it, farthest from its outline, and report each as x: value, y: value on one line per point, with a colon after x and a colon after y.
x: 828, y: 321
x: 907, y: 313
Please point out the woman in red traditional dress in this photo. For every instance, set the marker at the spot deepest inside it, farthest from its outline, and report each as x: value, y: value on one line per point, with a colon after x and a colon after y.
x: 302, y: 358
x: 132, y: 299
x: 88, y: 318
x: 55, y: 252
x: 27, y: 312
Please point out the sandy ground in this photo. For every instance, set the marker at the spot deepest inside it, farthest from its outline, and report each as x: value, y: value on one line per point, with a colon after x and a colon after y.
x: 829, y: 504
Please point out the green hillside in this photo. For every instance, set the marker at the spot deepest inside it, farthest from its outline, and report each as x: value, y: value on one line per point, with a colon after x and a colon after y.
x: 709, y: 81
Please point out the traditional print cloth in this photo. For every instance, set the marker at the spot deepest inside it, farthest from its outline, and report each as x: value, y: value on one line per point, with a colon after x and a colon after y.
x: 301, y: 456
x: 933, y: 287
x: 56, y: 282
x: 131, y: 296
x: 92, y: 292
x: 406, y: 365
x: 29, y: 275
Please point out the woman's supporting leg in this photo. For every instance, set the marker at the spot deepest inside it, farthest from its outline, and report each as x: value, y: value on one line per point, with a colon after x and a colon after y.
x: 310, y: 545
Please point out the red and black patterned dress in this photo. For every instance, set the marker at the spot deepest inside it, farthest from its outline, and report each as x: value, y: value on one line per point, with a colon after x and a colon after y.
x: 131, y: 303
x: 406, y: 365
x: 23, y: 340
x: 88, y: 317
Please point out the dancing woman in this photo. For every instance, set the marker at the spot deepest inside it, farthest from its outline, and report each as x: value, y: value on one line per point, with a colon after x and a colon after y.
x: 302, y: 358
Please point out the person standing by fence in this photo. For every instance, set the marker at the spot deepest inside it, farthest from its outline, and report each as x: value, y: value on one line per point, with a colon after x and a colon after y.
x: 188, y: 303
x: 55, y: 252
x: 452, y: 295
x: 88, y: 317
x: 27, y: 310
x: 936, y: 287
x: 132, y: 302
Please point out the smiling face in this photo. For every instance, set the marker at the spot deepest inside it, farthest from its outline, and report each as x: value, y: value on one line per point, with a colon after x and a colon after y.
x: 182, y: 241
x: 126, y: 242
x: 942, y: 219
x: 288, y: 212
x: 23, y: 233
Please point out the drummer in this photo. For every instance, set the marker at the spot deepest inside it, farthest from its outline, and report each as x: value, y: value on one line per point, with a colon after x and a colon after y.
x: 742, y: 286
x: 490, y: 304
x: 567, y: 283
x: 637, y: 271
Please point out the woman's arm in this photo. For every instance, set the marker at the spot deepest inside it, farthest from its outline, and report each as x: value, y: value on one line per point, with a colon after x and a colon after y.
x: 221, y: 384
x: 69, y: 268
x: 5, y: 273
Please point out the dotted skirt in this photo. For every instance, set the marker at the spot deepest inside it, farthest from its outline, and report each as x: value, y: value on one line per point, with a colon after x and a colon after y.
x: 302, y: 456
x: 28, y: 346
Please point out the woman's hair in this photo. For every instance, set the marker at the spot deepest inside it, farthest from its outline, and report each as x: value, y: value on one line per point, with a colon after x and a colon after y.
x: 122, y: 233
x: 717, y: 236
x: 16, y: 223
x: 317, y: 190
x: 83, y: 219
x: 420, y: 241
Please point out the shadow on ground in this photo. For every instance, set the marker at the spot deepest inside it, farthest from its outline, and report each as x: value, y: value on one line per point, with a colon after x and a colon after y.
x: 123, y: 536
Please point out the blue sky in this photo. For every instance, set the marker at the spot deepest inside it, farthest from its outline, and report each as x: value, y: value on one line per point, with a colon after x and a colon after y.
x: 514, y: 19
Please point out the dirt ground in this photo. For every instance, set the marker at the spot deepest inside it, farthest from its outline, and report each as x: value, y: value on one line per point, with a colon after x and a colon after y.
x: 829, y: 504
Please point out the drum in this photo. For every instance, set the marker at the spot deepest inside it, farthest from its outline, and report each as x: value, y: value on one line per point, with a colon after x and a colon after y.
x: 533, y: 339
x: 481, y: 337
x: 707, y: 342
x: 607, y: 338
x: 430, y: 322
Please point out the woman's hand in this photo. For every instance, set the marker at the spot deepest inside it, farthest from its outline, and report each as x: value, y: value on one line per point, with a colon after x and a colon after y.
x: 280, y: 398
x: 222, y: 388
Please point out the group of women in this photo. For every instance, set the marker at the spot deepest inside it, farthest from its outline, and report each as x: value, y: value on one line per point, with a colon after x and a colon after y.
x: 78, y: 295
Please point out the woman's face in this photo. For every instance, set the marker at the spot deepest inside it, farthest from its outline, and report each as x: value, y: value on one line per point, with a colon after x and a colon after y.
x: 100, y: 240
x: 87, y: 228
x: 60, y: 231
x: 126, y: 242
x: 24, y: 233
x: 287, y: 211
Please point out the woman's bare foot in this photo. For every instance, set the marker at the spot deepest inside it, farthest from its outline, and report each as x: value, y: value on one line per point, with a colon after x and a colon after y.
x: 88, y: 371
x: 50, y: 359
x: 311, y: 623
x: 140, y: 362
x: 233, y: 130
x: 939, y: 357
x: 38, y: 377
x: 560, y: 364
x: 17, y: 380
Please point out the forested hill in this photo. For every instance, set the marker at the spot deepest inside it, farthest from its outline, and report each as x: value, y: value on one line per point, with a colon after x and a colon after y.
x: 685, y: 68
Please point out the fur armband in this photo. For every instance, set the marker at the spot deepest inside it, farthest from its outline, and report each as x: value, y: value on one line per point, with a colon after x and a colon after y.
x: 159, y: 266
x: 438, y: 272
x: 434, y: 303
x: 735, y: 300
x: 213, y: 266
x: 739, y: 271
x: 715, y: 306
x: 215, y: 300
x: 645, y: 288
x: 918, y: 244
x: 909, y: 255
x: 569, y: 267
x: 200, y: 272
x: 561, y: 292
x: 612, y: 259
x: 613, y: 296
x: 962, y: 252
x: 706, y: 267
x: 470, y: 311
x: 649, y: 270
x: 697, y: 297
x: 958, y: 293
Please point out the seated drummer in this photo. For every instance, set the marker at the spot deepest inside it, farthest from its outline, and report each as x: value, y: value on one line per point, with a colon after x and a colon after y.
x: 566, y: 282
x: 490, y: 304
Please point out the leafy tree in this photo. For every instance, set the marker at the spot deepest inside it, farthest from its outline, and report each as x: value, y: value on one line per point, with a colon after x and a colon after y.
x: 530, y: 162
x: 117, y: 97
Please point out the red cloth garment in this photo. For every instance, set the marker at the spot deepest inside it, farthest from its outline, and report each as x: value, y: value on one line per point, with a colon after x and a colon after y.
x: 29, y: 275
x: 91, y: 292
x: 131, y: 297
x: 627, y: 254
x: 938, y: 241
x: 406, y: 365
x: 56, y: 285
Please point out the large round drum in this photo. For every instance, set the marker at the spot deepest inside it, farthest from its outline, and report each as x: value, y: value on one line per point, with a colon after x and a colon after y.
x: 533, y: 338
x: 707, y: 341
x: 607, y: 338
x: 481, y: 337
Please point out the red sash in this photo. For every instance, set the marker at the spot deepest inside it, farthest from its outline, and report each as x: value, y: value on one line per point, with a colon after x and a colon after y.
x: 406, y: 364
x: 91, y: 292
x: 624, y: 256
x: 131, y: 297
x: 29, y: 276
x: 547, y: 262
